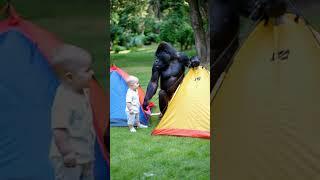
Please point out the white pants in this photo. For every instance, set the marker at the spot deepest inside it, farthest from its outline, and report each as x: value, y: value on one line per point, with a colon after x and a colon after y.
x: 132, y: 118
x: 80, y: 172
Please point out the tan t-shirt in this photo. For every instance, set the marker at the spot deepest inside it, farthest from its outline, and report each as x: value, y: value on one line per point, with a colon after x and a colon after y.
x: 133, y: 98
x: 73, y: 112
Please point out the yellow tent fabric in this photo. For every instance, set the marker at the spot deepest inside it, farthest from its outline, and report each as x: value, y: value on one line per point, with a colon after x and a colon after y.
x: 188, y: 112
x: 266, y: 110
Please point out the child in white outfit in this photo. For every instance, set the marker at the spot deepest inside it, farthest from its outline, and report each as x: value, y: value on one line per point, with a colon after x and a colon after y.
x: 133, y: 104
x: 72, y: 147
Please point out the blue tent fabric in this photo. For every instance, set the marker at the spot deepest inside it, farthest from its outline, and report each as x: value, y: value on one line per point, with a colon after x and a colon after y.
x: 27, y: 90
x: 118, y: 90
x: 101, y: 169
x: 27, y: 87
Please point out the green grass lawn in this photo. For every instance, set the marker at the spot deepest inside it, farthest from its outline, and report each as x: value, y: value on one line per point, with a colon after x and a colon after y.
x: 137, y: 155
x: 142, y: 156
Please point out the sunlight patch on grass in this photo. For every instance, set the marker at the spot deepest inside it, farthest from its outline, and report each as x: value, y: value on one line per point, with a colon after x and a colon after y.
x: 125, y: 52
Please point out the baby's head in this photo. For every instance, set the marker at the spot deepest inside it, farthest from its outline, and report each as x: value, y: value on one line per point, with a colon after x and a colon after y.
x: 133, y: 82
x: 73, y: 65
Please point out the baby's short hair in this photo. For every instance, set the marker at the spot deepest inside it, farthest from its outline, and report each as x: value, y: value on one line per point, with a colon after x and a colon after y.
x: 67, y: 57
x: 132, y: 79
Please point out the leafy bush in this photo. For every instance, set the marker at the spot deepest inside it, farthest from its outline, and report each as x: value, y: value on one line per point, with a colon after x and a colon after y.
x: 185, y: 36
x: 151, y: 26
x: 168, y: 30
x: 136, y: 41
x: 116, y: 33
x: 136, y: 23
x: 151, y: 38
x: 117, y: 48
x: 175, y: 29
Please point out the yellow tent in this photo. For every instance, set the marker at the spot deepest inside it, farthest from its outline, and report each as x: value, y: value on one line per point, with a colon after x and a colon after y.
x: 266, y: 106
x: 188, y: 112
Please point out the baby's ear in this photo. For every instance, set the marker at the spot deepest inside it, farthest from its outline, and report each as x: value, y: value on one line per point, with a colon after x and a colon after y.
x: 68, y: 76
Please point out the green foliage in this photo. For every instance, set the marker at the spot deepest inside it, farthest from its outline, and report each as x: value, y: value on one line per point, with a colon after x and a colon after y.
x: 150, y: 38
x: 151, y: 25
x: 127, y: 21
x: 185, y: 36
x: 117, y: 48
x: 136, y: 41
x: 176, y: 28
x: 136, y: 23
x: 169, y: 29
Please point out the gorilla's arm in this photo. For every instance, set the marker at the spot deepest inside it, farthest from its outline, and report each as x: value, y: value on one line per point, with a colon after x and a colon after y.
x: 184, y: 59
x: 152, y: 86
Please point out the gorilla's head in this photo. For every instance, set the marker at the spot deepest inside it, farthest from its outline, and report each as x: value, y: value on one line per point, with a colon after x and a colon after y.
x: 164, y: 54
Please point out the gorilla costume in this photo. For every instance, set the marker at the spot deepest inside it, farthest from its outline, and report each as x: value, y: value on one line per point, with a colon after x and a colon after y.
x: 169, y: 67
x: 225, y: 25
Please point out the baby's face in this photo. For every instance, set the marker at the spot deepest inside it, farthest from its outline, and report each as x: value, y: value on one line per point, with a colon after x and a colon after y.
x: 82, y: 76
x: 134, y: 85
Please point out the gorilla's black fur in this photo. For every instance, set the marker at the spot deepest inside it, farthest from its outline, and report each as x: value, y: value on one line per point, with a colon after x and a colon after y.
x: 169, y: 67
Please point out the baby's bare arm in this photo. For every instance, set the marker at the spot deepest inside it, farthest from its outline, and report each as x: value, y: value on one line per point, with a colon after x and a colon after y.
x: 62, y: 141
x: 129, y: 105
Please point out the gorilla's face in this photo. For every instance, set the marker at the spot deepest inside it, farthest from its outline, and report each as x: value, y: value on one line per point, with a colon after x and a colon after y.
x: 162, y: 60
x: 164, y: 54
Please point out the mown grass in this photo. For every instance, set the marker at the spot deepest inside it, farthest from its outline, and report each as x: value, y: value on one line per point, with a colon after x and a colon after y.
x: 142, y: 156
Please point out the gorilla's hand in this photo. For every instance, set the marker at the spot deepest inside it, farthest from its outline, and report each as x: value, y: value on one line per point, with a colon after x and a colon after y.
x: 194, y: 61
x: 145, y: 105
x: 274, y: 8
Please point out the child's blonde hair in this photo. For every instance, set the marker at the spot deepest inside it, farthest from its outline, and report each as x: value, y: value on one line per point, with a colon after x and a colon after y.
x: 132, y: 79
x: 66, y: 58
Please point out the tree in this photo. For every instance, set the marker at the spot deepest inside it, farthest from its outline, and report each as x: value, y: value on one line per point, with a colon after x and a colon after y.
x: 127, y: 19
x: 149, y: 21
x: 199, y: 16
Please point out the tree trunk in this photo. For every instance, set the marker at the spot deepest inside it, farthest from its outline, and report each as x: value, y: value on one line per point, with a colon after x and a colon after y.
x: 158, y: 9
x: 208, y: 46
x: 186, y: 46
x: 199, y: 31
x: 204, y: 6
